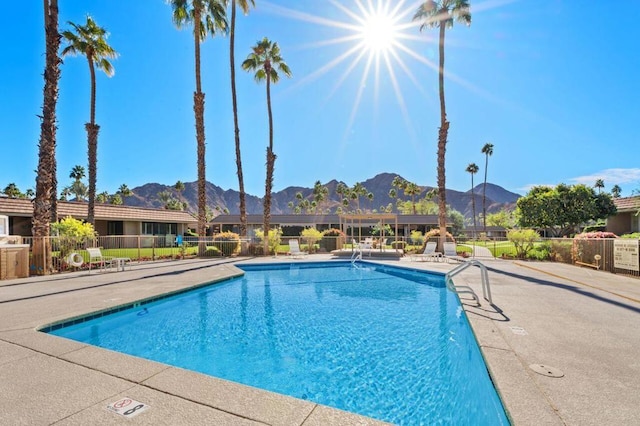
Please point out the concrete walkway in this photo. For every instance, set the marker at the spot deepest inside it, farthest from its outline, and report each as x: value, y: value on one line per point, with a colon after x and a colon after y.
x: 581, y: 324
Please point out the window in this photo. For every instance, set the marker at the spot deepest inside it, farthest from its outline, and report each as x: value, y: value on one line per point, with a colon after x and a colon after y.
x: 155, y: 228
x: 115, y: 228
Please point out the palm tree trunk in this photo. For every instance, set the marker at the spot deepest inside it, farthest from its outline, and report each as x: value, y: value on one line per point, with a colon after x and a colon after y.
x: 42, y: 208
x: 271, y: 160
x: 92, y: 143
x: 484, y: 196
x: 442, y: 147
x: 92, y: 135
x: 473, y: 207
x: 198, y: 109
x: 243, y: 205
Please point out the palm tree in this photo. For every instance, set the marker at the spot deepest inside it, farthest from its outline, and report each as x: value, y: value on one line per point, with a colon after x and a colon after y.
x: 599, y: 184
x: 207, y: 17
x: 124, y: 191
x: 12, y: 191
x: 487, y: 150
x: 441, y: 14
x: 77, y: 173
x: 45, y: 203
x: 244, y: 5
x: 266, y: 61
x: 615, y: 191
x: 473, y: 169
x: 90, y: 40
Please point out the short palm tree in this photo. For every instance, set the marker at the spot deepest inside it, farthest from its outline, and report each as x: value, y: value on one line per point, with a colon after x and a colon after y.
x: 244, y: 6
x: 616, y: 191
x: 473, y: 169
x: 441, y: 14
x: 267, y: 63
x: 90, y: 40
x: 208, y: 18
x: 45, y: 202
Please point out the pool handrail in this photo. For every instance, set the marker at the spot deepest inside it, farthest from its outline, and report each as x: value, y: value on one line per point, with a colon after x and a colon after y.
x: 486, y: 289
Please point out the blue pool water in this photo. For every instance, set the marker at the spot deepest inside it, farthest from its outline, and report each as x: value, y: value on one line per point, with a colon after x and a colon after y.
x: 385, y: 342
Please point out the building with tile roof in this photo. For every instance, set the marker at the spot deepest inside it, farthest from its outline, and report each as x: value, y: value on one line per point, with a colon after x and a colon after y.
x: 627, y: 220
x: 109, y: 219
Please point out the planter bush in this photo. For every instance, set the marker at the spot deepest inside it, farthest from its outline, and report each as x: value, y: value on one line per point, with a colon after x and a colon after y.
x: 227, y: 243
x: 332, y: 239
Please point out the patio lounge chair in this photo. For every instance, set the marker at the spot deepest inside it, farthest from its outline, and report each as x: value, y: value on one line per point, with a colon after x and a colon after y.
x: 294, y: 249
x: 450, y: 252
x: 96, y: 258
x: 429, y: 252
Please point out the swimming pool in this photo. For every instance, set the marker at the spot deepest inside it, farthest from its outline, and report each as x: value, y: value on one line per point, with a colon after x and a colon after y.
x: 385, y: 342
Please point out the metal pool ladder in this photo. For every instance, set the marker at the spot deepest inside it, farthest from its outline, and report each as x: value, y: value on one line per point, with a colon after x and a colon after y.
x: 357, y: 254
x: 486, y: 289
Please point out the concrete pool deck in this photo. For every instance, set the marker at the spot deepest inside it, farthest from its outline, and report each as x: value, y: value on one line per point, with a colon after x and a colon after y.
x: 582, y: 323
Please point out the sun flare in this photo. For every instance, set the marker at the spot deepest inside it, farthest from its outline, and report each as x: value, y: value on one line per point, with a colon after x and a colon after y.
x: 379, y: 32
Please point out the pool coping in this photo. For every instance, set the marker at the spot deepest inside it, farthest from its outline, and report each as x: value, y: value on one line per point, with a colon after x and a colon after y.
x: 58, y: 369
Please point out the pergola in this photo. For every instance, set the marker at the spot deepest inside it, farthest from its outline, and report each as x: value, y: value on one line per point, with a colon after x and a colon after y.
x: 368, y: 218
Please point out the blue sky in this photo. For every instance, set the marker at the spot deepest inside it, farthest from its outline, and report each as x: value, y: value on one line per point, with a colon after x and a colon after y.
x: 552, y: 84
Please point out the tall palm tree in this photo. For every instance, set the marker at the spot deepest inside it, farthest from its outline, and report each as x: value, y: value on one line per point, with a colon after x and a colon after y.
x: 441, y: 14
x: 266, y: 61
x: 244, y: 5
x: 473, y: 169
x: 45, y: 203
x: 90, y: 40
x: 208, y: 18
x: 77, y: 173
x: 487, y: 150
x: 599, y: 185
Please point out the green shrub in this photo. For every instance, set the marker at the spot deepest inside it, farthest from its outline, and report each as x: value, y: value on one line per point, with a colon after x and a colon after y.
x: 523, y: 240
x: 310, y: 236
x: 212, y: 252
x: 275, y: 236
x: 417, y: 238
x: 541, y: 251
x: 72, y: 233
x: 400, y: 245
x: 228, y: 243
x: 634, y: 236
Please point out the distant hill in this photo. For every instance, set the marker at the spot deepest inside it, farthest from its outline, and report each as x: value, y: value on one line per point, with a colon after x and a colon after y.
x: 219, y: 199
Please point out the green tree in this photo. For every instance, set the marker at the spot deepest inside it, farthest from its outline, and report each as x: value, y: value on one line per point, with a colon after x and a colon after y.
x: 72, y: 232
x: 116, y: 199
x: 523, y: 241
x: 472, y: 169
x: 615, y: 191
x: 244, y: 6
x: 320, y: 194
x: 563, y: 208
x: 29, y: 193
x: 77, y: 173
x: 90, y: 40
x: 12, y: 191
x: 208, y: 17
x: 441, y: 14
x: 124, y: 191
x: 503, y: 218
x: 102, y: 197
x: 487, y: 150
x: 267, y: 63
x: 65, y: 193
x: 599, y: 185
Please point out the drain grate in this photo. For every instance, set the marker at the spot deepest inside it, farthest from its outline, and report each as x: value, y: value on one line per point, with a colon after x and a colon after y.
x: 546, y: 370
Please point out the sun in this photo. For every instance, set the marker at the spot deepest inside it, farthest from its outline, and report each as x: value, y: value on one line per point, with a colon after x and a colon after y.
x: 379, y: 32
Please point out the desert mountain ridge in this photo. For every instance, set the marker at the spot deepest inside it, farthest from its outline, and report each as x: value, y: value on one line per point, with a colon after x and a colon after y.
x: 221, y: 200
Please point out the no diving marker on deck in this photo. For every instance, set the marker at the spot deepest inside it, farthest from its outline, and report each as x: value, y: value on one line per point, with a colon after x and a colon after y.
x: 127, y: 407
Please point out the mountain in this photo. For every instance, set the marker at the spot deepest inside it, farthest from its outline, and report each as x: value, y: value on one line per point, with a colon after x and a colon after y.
x: 219, y: 200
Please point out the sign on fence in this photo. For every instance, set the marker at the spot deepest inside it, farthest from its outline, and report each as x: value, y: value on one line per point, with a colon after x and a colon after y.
x: 625, y: 254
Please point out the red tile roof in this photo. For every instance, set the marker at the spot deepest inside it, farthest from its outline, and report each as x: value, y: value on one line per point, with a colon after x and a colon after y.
x: 627, y: 204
